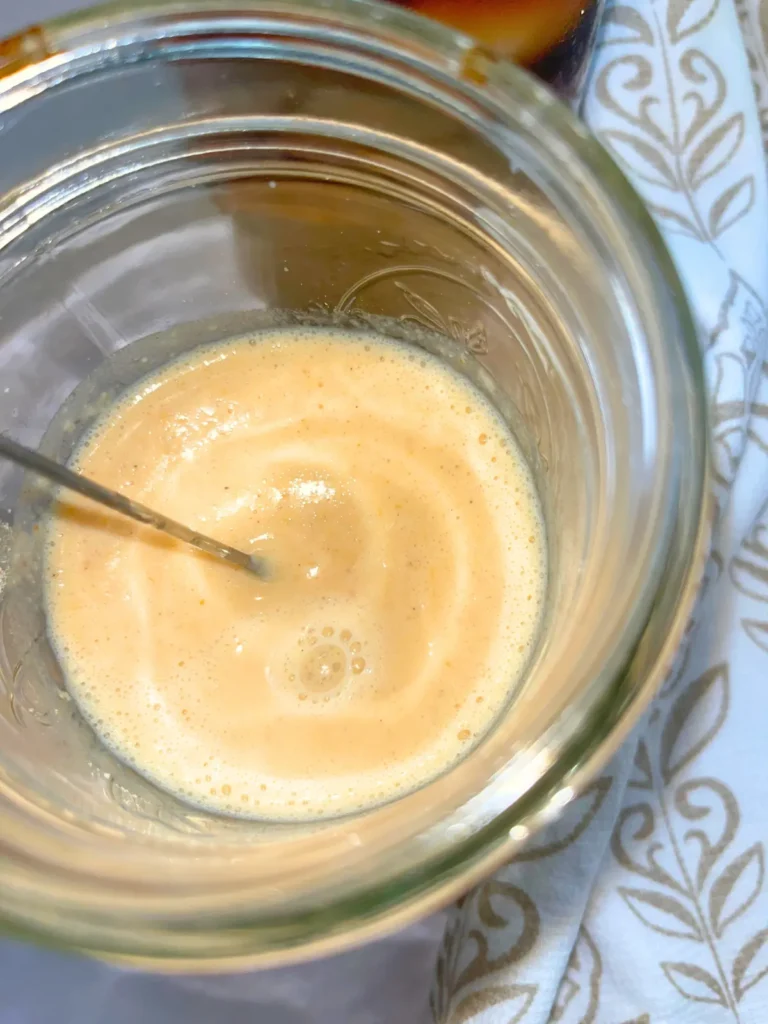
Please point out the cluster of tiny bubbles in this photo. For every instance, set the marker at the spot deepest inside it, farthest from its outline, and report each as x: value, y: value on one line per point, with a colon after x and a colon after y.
x: 323, y: 661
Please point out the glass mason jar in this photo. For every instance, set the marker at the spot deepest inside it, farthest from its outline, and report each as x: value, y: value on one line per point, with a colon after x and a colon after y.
x: 195, y: 170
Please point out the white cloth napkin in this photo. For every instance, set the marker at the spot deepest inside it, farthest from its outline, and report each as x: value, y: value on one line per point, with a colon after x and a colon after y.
x: 647, y: 903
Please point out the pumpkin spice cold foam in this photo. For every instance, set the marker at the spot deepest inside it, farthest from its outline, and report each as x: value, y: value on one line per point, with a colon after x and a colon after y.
x: 410, y: 574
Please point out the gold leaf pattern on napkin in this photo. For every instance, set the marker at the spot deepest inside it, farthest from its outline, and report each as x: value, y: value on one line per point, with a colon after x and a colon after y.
x: 748, y: 571
x: 675, y: 866
x: 579, y: 991
x: 687, y: 17
x: 680, y: 839
x: 753, y: 15
x: 751, y: 964
x: 673, y: 135
x: 503, y: 915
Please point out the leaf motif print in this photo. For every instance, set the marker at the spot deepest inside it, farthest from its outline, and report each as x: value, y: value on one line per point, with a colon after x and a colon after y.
x: 687, y: 17
x: 516, y: 1000
x: 624, y: 24
x: 731, y: 205
x: 669, y: 132
x: 573, y: 823
x: 675, y: 222
x: 694, y: 720
x: 704, y: 100
x: 715, y: 151
x: 646, y: 161
x: 751, y: 965
x: 737, y: 888
x: 695, y: 983
x: 635, y: 825
x: 757, y: 632
x: 749, y: 569
x: 578, y: 996
x: 749, y: 574
x: 709, y: 803
x: 664, y: 914
x: 642, y: 776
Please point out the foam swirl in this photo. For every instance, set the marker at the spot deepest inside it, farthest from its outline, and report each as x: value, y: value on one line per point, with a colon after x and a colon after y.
x: 410, y: 574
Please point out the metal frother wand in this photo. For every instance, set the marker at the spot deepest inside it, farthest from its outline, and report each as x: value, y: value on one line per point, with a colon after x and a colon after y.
x: 65, y: 477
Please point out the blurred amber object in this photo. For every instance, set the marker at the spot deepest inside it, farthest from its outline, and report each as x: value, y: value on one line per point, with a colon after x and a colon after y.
x: 18, y: 51
x: 554, y: 38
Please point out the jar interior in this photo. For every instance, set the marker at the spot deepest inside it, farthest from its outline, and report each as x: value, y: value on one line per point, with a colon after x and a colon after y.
x: 164, y: 205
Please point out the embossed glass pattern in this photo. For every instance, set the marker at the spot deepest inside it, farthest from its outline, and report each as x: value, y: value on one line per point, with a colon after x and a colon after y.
x: 192, y: 171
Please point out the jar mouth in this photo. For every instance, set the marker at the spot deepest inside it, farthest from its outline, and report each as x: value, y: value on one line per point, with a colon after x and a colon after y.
x: 335, y: 884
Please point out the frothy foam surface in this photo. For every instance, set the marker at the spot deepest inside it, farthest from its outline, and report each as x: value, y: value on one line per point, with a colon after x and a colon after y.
x: 410, y: 556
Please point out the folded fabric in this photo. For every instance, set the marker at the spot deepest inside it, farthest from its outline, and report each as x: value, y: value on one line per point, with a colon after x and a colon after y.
x: 647, y: 902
